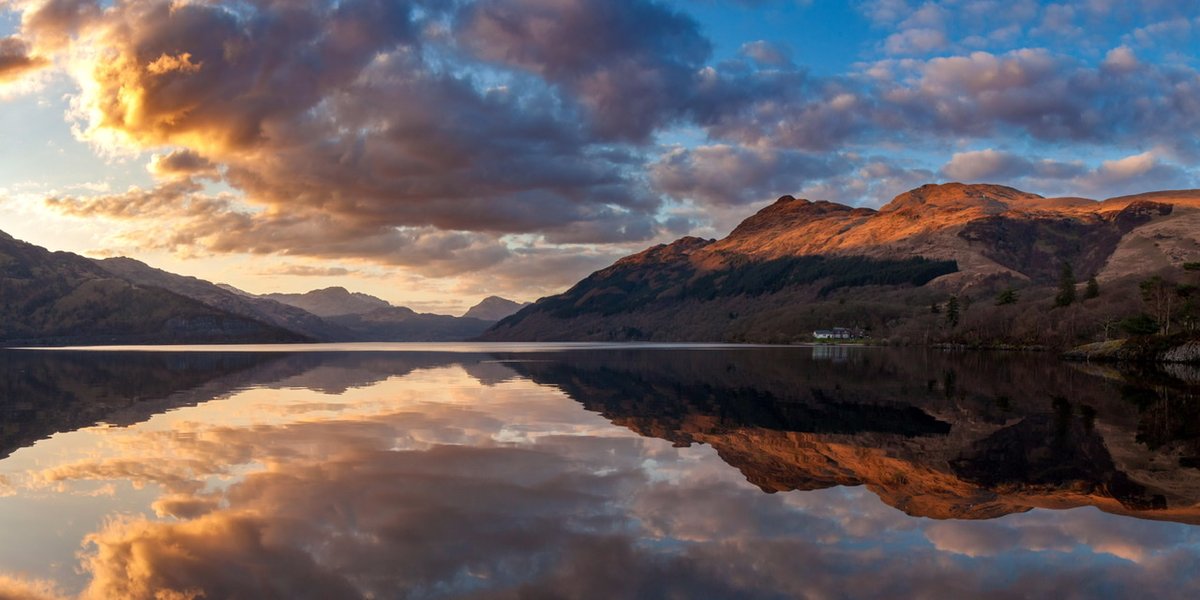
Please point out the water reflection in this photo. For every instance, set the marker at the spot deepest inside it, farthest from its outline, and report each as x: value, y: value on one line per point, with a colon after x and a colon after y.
x: 471, y: 474
x: 967, y: 436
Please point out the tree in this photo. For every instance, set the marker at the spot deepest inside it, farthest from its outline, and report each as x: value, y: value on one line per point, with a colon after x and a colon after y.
x: 933, y: 308
x: 1142, y: 324
x: 1107, y: 323
x: 1008, y: 296
x: 1189, y: 313
x: 1066, y: 286
x: 952, y: 311
x: 1160, y: 297
x: 1093, y: 289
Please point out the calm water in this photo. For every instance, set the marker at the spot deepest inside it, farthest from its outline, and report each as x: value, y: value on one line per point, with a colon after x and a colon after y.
x: 582, y: 472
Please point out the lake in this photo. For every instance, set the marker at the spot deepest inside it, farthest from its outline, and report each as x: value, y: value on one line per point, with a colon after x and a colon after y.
x: 589, y: 471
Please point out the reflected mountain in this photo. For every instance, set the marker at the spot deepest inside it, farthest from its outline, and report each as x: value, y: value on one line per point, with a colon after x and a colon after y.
x: 47, y: 392
x: 940, y: 435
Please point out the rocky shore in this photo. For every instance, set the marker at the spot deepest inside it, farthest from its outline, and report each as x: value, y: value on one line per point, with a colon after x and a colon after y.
x: 1159, y: 350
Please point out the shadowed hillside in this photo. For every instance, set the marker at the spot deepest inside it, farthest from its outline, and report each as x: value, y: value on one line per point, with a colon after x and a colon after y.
x: 56, y: 298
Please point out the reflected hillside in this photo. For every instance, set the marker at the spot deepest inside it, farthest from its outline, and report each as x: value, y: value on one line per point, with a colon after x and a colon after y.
x: 965, y: 436
x: 44, y: 393
x: 971, y: 436
x: 47, y: 392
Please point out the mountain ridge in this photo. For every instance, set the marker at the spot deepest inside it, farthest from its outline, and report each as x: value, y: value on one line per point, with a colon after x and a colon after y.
x: 494, y: 308
x: 797, y: 252
x: 59, y: 298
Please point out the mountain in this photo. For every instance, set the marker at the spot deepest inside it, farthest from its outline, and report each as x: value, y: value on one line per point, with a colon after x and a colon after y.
x: 331, y: 302
x: 228, y: 299
x: 401, y: 324
x: 370, y: 319
x: 494, y: 308
x: 798, y: 265
x: 59, y: 298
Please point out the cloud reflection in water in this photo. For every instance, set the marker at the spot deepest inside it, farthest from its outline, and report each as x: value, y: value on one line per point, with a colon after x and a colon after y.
x: 426, y: 482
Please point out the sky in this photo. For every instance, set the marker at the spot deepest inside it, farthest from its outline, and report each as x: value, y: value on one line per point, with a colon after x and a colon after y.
x: 433, y: 152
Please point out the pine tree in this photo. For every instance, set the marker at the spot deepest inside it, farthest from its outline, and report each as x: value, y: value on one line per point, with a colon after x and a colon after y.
x: 1093, y: 289
x: 1008, y: 296
x: 1066, y: 287
x: 952, y: 311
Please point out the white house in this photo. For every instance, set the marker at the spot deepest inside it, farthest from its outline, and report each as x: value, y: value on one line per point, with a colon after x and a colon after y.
x: 838, y: 333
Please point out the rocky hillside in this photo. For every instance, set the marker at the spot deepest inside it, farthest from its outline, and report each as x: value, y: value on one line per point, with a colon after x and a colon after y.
x: 57, y: 298
x: 799, y: 265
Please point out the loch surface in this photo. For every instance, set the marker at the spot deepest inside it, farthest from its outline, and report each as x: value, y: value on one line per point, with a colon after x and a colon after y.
x: 593, y: 471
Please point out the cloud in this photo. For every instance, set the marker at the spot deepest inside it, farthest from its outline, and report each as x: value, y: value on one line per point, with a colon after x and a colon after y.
x: 1130, y: 174
x: 15, y: 60
x: 1045, y: 96
x: 1136, y: 173
x: 724, y: 175
x: 986, y: 165
x: 216, y: 224
x: 441, y: 137
x: 632, y: 66
x: 872, y: 184
x: 396, y: 496
x: 182, y: 164
x: 767, y: 53
x: 341, y: 138
x: 310, y: 271
x: 13, y: 588
x: 1120, y: 60
x: 915, y: 41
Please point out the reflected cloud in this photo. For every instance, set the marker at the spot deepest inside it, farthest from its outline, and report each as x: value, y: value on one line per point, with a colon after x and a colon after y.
x: 932, y: 434
x: 449, y: 476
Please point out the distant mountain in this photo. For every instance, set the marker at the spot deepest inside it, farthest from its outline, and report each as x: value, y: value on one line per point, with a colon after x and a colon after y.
x: 798, y: 265
x: 230, y: 288
x: 228, y: 299
x: 331, y: 302
x: 367, y: 318
x: 400, y: 324
x: 57, y: 298
x: 494, y: 308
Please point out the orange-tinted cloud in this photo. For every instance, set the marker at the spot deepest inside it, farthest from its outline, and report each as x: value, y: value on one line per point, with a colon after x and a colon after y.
x: 15, y: 59
x: 373, y: 129
x: 13, y: 588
